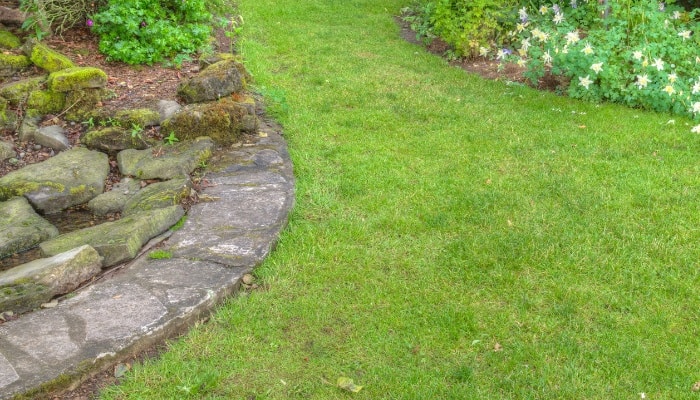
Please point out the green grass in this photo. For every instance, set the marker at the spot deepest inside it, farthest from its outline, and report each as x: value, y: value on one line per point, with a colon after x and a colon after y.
x: 453, y: 238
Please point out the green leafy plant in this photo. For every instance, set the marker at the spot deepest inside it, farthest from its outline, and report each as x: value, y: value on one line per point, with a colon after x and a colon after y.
x: 136, y: 130
x: 150, y: 31
x: 638, y: 53
x: 171, y: 138
x: 90, y: 123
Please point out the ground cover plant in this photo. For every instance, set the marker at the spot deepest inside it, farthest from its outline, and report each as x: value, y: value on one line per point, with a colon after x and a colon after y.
x: 638, y: 53
x: 453, y: 237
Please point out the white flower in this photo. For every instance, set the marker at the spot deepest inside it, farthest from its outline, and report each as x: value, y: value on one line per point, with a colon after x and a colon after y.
x: 696, y: 129
x: 502, y: 53
x: 522, y: 13
x: 637, y: 55
x: 572, y: 37
x: 544, y: 10
x: 676, y: 15
x: 659, y: 64
x: 558, y: 18
x: 672, y: 77
x: 483, y: 51
x: 519, y: 27
x: 584, y: 81
x: 525, y: 44
x: 696, y: 87
x: 587, y: 49
x: 547, y: 58
x: 642, y: 81
x: 696, y: 107
x: 521, y: 62
x: 669, y: 89
x: 685, y: 34
x: 597, y: 67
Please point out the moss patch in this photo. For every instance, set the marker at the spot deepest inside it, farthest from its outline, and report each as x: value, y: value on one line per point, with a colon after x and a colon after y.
x: 17, y: 92
x: 77, y: 78
x: 42, y: 102
x: 8, y: 40
x: 44, y: 57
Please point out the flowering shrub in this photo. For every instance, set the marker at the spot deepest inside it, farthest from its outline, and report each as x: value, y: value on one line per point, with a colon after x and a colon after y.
x: 149, y: 31
x: 638, y: 53
x: 45, y: 17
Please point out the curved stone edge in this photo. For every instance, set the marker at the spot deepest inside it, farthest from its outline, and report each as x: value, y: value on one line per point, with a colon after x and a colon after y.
x: 71, y: 351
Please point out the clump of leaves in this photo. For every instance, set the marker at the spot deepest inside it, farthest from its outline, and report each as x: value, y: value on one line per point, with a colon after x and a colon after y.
x: 151, y: 31
x: 160, y: 254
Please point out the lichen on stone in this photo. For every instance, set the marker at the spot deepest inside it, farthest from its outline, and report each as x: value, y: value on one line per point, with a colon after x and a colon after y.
x: 77, y: 78
x: 42, y: 102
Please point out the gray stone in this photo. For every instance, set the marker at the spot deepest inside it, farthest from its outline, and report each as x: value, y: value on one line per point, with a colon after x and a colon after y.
x: 53, y: 137
x: 114, y: 200
x: 159, y: 195
x: 112, y: 139
x: 175, y: 161
x: 12, y: 16
x: 53, y: 276
x: 72, y: 177
x: 7, y: 150
x: 166, y: 109
x: 21, y: 227
x: 29, y: 127
x: 214, y: 82
x: 119, y: 240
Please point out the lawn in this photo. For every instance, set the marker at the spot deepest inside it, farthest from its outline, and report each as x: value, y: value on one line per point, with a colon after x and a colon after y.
x: 453, y: 237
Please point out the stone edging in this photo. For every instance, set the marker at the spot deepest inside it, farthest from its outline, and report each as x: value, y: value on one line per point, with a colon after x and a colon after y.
x: 224, y: 237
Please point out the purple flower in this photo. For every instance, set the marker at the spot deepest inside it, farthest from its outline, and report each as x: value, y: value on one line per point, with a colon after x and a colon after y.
x: 556, y: 8
x: 143, y: 24
x: 89, y: 23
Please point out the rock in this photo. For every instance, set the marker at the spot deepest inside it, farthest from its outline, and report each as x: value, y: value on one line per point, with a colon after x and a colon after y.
x: 8, y: 118
x: 166, y: 109
x: 72, y: 177
x: 112, y: 139
x: 209, y: 59
x: 84, y: 104
x: 28, y: 128
x: 46, y: 278
x: 114, y: 200
x: 216, y: 81
x: 21, y: 228
x: 17, y: 92
x: 7, y: 150
x: 44, y: 57
x: 159, y: 195
x: 224, y: 120
x: 119, y: 240
x: 76, y: 78
x: 176, y: 161
x: 11, y: 64
x: 43, y: 102
x: 12, y: 16
x: 52, y: 136
x: 9, y: 40
x: 142, y: 117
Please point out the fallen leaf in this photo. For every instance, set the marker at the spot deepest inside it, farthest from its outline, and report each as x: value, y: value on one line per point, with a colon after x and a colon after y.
x: 696, y: 386
x: 347, y: 384
x: 582, y: 126
x: 497, y: 347
x: 121, y: 369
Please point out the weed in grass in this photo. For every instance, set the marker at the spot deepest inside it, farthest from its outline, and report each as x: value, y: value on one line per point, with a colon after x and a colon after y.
x: 160, y: 254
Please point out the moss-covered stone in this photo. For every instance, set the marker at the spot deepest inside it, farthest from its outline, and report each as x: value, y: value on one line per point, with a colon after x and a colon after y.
x: 142, y: 117
x: 76, y: 78
x: 82, y: 105
x: 8, y: 119
x: 42, y: 102
x: 174, y: 161
x: 9, y: 40
x: 46, y: 58
x: 159, y: 195
x: 17, y: 92
x: 113, y: 139
x: 21, y: 227
x: 214, y: 82
x: 224, y: 120
x: 23, y: 297
x: 11, y: 64
x: 119, y: 240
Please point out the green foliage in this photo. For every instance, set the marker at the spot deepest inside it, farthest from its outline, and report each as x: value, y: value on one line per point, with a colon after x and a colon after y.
x: 136, y: 130
x: 468, y: 25
x: 150, y: 31
x: 171, y: 139
x: 640, y: 53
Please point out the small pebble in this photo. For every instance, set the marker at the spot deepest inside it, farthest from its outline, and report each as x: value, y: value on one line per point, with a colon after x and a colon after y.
x: 13, y: 161
x: 37, y: 147
x: 21, y: 154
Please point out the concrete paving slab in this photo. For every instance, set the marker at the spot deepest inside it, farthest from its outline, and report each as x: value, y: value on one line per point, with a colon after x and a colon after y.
x: 149, y: 300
